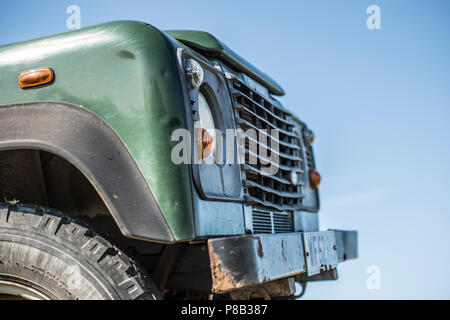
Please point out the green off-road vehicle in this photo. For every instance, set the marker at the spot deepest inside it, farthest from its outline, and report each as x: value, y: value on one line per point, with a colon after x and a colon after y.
x: 105, y: 195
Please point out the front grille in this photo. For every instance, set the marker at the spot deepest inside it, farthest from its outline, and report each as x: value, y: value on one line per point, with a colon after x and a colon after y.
x: 253, y: 111
x: 271, y: 222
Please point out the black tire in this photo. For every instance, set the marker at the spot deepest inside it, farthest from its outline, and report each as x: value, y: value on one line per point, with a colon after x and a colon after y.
x: 58, y: 257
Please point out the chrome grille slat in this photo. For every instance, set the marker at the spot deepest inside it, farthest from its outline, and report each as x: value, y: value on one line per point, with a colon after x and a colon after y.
x: 267, y: 160
x: 281, y: 167
x: 276, y: 178
x: 250, y: 183
x: 249, y: 99
x: 267, y: 148
x: 283, y: 143
x: 237, y: 91
x: 240, y: 106
x: 287, y: 133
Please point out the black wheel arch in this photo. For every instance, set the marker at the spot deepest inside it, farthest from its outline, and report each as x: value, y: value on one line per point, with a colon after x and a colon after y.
x: 91, y: 145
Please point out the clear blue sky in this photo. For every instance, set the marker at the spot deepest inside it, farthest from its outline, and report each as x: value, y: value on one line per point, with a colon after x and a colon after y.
x: 378, y: 101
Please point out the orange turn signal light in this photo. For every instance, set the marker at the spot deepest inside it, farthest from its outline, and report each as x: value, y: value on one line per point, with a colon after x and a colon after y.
x: 314, y: 178
x: 35, y: 77
x: 205, y: 142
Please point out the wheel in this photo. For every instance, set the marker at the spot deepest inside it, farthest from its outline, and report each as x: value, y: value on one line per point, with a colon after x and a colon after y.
x: 45, y: 254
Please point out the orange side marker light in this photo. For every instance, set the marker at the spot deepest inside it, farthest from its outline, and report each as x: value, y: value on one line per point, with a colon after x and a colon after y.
x: 36, y: 77
x: 314, y: 178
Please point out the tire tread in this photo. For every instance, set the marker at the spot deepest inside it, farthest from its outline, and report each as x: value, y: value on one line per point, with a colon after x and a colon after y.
x: 132, y: 282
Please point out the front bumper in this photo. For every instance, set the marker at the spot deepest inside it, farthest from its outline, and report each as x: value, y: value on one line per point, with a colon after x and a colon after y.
x: 243, y: 261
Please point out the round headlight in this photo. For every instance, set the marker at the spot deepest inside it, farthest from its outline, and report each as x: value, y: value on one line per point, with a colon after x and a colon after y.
x: 205, y: 130
x: 194, y: 73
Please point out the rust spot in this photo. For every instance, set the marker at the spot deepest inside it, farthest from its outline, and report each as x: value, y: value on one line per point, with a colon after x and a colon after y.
x: 221, y: 278
x: 260, y: 248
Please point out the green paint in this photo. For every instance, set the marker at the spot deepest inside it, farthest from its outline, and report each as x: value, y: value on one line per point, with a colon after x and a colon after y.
x: 206, y: 42
x: 126, y: 73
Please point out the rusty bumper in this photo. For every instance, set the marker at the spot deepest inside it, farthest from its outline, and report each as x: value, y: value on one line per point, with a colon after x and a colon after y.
x: 239, y: 262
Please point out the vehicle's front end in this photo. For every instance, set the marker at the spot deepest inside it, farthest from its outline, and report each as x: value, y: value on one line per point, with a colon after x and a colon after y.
x: 274, y: 231
x: 203, y: 163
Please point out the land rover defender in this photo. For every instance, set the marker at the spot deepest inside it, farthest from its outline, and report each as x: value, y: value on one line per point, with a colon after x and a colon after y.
x: 105, y: 195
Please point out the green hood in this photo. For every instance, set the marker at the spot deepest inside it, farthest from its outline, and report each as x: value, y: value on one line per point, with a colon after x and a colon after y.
x: 211, y: 47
